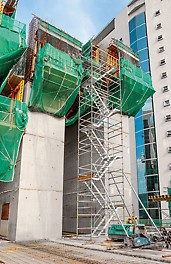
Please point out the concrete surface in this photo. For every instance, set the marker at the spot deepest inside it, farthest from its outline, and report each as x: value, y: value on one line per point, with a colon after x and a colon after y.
x: 41, y: 179
x: 70, y: 179
x: 36, y: 194
x: 55, y: 252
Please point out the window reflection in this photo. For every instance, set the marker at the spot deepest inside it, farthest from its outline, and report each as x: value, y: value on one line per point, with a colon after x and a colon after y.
x: 141, y: 31
x: 145, y: 136
x: 140, y: 19
x: 143, y: 54
x: 145, y: 66
x: 146, y: 153
x: 142, y: 43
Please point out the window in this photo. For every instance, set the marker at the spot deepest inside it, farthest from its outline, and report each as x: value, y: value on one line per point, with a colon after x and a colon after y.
x: 145, y: 66
x: 159, y: 26
x: 169, y: 133
x: 168, y: 118
x: 167, y: 103
x: 141, y: 31
x: 164, y: 75
x: 160, y: 37
x: 169, y: 166
x: 161, y: 49
x: 165, y: 88
x: 162, y: 62
x: 157, y: 13
x: 5, y: 212
x: 142, y: 43
x: 143, y: 54
x: 169, y: 149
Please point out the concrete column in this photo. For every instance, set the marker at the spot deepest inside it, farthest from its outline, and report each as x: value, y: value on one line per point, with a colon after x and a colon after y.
x: 41, y: 179
x: 35, y: 196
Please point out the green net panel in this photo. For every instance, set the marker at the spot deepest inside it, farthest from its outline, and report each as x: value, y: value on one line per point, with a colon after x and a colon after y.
x: 12, y: 42
x: 59, y: 33
x: 56, y: 82
x: 127, y: 49
x: 13, y: 120
x: 136, y: 88
x: 86, y: 101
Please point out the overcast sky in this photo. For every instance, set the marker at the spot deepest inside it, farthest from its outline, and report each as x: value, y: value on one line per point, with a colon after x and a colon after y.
x: 80, y: 18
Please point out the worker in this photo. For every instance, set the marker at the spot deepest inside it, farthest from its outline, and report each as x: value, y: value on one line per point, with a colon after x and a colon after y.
x: 129, y: 220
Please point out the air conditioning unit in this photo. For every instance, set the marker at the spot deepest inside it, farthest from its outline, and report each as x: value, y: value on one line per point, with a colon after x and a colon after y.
x: 169, y: 149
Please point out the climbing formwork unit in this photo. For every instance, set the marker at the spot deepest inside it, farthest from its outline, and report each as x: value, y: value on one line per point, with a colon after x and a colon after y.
x: 104, y: 99
x: 54, y: 67
x: 13, y: 112
x: 13, y: 120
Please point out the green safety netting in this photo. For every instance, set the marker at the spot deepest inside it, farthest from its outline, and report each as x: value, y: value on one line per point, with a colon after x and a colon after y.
x: 56, y: 82
x: 121, y: 45
x: 13, y: 120
x: 12, y: 42
x: 86, y: 49
x: 86, y: 101
x: 60, y: 33
x: 136, y: 88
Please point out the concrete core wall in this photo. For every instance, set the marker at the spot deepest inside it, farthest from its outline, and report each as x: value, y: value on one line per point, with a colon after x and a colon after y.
x: 36, y: 194
x: 70, y: 179
x: 71, y: 171
x: 41, y: 179
x: 9, y: 193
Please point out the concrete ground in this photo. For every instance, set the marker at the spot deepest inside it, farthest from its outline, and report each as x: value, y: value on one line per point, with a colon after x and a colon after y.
x: 76, y: 252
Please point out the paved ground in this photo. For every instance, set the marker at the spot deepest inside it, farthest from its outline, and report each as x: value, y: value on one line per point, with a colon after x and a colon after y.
x: 55, y: 252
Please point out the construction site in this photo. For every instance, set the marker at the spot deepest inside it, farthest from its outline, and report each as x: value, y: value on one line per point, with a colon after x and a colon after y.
x: 65, y: 170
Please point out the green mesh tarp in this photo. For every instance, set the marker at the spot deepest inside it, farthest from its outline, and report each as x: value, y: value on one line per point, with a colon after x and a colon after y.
x: 60, y: 33
x: 86, y: 49
x: 56, y: 82
x: 121, y: 45
x: 13, y: 120
x: 85, y: 104
x: 136, y: 88
x: 12, y: 42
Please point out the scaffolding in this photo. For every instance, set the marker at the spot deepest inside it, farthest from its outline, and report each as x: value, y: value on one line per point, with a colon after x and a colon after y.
x: 101, y: 178
x: 100, y: 145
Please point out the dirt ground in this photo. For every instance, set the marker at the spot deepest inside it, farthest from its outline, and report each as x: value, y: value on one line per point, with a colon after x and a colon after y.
x: 49, y: 252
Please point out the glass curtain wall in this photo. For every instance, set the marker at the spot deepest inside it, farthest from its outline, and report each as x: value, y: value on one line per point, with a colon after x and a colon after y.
x: 146, y: 152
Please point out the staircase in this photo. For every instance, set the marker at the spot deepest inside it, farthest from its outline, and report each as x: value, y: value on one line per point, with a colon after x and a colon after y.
x: 103, y: 111
x: 99, y: 139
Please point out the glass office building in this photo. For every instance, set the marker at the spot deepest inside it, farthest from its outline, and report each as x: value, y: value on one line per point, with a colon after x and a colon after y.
x: 146, y: 150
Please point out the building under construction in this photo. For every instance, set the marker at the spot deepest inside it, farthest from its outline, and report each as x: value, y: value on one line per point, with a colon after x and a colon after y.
x: 64, y: 134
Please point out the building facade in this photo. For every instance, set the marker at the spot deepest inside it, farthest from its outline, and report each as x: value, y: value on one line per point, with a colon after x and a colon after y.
x: 144, y: 26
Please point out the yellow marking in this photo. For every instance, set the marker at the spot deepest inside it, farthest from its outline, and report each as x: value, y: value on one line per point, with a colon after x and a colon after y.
x: 19, y: 95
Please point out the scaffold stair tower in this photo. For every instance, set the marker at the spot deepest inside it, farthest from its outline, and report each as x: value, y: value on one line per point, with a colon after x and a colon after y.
x: 101, y: 177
